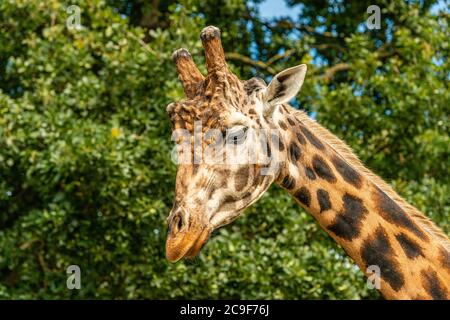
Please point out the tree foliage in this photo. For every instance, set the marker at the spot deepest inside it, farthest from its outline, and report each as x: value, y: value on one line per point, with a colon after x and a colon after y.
x: 85, y: 170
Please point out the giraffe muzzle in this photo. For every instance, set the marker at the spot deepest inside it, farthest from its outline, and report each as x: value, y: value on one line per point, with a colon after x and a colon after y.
x: 187, y: 245
x: 185, y: 239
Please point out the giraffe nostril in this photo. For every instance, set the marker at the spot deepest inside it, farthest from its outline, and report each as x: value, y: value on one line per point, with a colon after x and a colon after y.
x: 180, y: 223
x: 177, y: 223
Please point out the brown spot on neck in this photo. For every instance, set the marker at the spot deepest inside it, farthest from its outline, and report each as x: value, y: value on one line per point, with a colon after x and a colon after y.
x: 445, y: 258
x: 393, y: 213
x: 347, y: 224
x: 312, y: 138
x: 294, y: 152
x: 300, y: 138
x: 291, y: 120
x: 310, y: 173
x: 347, y: 172
x: 433, y: 285
x: 304, y: 196
x: 283, y: 125
x: 322, y: 169
x: 288, y: 182
x: 324, y: 200
x: 377, y: 251
x: 411, y: 248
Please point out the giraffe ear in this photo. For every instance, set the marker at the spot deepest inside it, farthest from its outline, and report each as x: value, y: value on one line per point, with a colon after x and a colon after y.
x: 284, y: 86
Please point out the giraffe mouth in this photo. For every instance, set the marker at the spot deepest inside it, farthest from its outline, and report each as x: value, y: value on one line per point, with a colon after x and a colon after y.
x: 198, y: 244
x: 188, y: 246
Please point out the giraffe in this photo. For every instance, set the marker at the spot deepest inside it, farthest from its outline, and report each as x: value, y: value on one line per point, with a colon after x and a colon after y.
x: 361, y: 212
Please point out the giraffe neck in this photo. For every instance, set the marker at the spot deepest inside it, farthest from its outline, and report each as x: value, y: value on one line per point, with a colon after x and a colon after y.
x: 365, y: 217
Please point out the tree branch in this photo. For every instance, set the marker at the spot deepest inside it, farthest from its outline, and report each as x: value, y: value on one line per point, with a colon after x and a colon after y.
x: 330, y: 72
x: 246, y: 60
x: 144, y: 45
x: 383, y: 52
x: 280, y: 56
x: 324, y: 46
x: 310, y: 30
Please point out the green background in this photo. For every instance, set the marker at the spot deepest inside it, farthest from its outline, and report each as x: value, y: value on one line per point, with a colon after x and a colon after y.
x: 85, y: 170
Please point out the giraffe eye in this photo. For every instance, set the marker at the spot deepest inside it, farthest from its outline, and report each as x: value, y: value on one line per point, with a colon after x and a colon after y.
x: 236, y: 136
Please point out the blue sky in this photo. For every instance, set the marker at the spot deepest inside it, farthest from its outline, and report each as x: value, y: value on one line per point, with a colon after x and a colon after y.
x: 277, y: 8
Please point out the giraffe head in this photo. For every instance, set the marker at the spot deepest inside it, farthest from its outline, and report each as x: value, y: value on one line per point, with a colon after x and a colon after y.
x: 226, y: 137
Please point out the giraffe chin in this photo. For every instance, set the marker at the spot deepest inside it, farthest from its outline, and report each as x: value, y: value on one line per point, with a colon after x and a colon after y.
x: 188, y: 246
